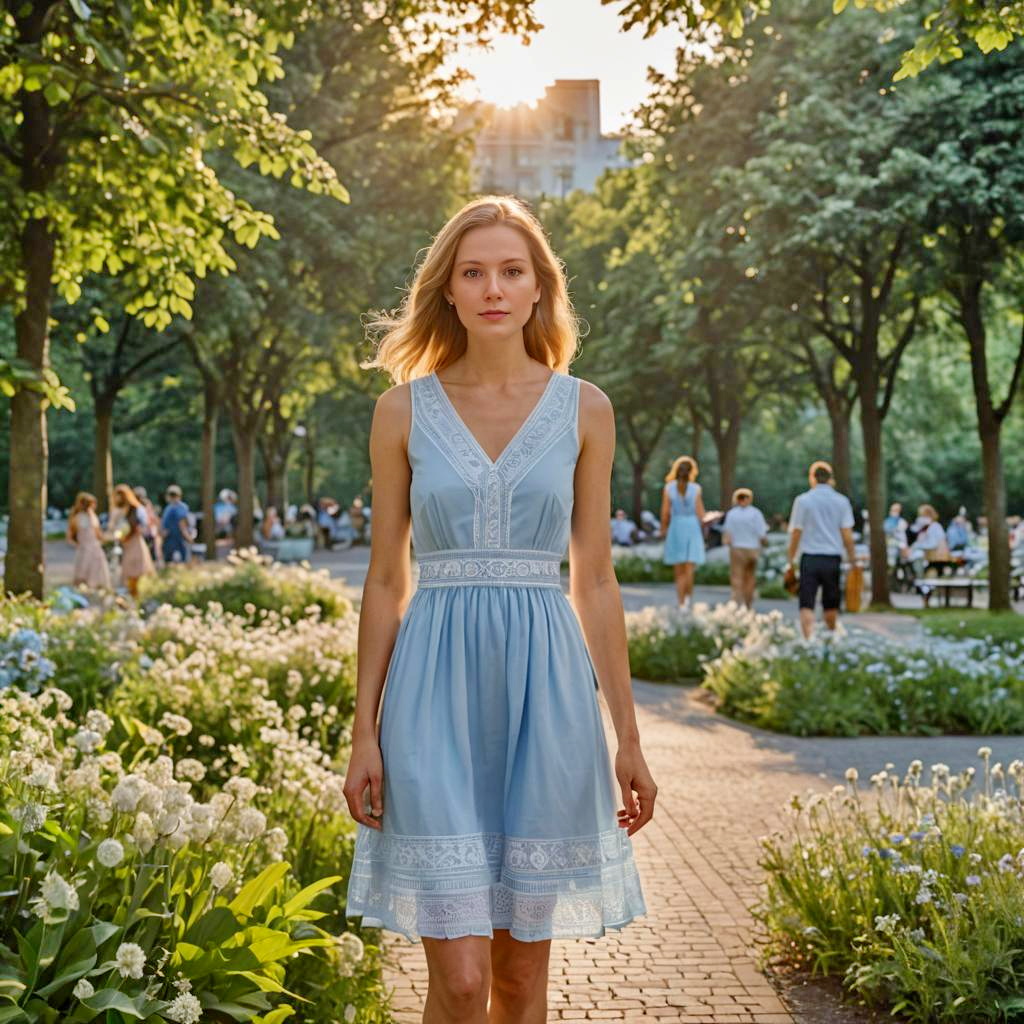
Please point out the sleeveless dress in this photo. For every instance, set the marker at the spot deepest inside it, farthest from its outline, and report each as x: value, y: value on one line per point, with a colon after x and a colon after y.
x: 499, y: 799
x: 91, y: 567
x: 684, y: 541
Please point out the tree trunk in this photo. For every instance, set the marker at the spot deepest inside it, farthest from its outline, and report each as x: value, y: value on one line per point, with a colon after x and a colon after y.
x: 24, y: 562
x: 874, y: 472
x: 990, y: 425
x: 102, y: 466
x: 208, y: 467
x: 840, y: 420
x: 309, y: 468
x: 245, y: 449
x: 727, y: 444
x: 639, y: 472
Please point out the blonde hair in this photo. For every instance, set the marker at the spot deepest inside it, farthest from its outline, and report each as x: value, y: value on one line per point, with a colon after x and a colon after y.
x: 83, y: 502
x: 425, y: 334
x: 684, y: 469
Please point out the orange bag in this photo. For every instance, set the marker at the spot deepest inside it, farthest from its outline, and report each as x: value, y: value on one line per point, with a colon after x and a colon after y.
x: 854, y: 588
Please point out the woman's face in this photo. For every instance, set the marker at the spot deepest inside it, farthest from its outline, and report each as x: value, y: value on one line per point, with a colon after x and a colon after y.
x: 493, y: 272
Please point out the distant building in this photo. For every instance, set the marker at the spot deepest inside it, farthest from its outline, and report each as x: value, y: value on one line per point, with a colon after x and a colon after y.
x: 552, y: 148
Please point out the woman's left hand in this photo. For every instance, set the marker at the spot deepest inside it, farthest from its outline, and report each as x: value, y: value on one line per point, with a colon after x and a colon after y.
x: 634, y: 777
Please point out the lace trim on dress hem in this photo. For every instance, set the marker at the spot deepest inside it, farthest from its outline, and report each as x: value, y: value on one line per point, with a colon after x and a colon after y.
x: 537, y: 888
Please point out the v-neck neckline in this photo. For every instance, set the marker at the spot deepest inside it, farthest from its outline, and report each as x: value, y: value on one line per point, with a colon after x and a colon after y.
x: 494, y: 463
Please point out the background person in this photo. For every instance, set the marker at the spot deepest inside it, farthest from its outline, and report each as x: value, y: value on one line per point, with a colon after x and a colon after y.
x: 929, y: 540
x: 820, y: 528
x: 176, y: 528
x: 136, y: 560
x: 624, y: 530
x: 746, y: 533
x: 91, y: 568
x: 682, y: 512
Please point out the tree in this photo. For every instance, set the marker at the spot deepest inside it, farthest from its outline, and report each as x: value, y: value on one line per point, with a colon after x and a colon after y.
x: 969, y: 132
x: 945, y: 23
x: 832, y: 208
x: 102, y: 140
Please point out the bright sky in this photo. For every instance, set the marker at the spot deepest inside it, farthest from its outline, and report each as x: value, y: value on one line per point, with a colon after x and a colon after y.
x: 580, y: 39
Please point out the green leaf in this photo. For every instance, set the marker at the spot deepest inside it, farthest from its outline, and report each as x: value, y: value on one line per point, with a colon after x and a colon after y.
x: 81, y: 8
x: 256, y: 891
x: 13, y: 1015
x: 113, y: 999
x: 838, y: 6
x: 306, y: 896
x: 213, y: 928
x: 275, y: 1016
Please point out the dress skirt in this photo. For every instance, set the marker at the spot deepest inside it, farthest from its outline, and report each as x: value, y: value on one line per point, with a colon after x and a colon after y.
x: 499, y: 799
x: 684, y: 541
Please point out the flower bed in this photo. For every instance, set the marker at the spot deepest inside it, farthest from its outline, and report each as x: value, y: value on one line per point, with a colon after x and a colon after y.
x: 855, y: 684
x: 179, y: 851
x: 914, y: 894
x: 669, y: 644
x: 246, y: 583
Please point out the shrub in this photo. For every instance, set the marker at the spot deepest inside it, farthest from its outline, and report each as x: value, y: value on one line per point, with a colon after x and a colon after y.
x: 245, y: 584
x: 669, y: 644
x: 914, y: 897
x: 859, y: 684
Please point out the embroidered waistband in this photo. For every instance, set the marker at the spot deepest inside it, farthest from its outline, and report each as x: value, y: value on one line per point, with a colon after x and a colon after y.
x: 500, y: 567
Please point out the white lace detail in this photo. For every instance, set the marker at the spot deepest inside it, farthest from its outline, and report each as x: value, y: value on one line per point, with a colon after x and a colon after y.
x: 492, y: 483
x: 447, y: 886
x: 531, y: 568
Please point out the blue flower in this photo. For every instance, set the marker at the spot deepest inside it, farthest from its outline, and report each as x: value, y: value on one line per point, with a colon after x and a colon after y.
x: 957, y: 850
x: 866, y: 851
x: 896, y: 838
x: 917, y: 836
x: 973, y: 879
x: 886, y: 854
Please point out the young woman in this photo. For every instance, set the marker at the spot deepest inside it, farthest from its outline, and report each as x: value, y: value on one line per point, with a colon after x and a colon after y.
x: 682, y: 513
x: 136, y: 560
x: 91, y: 568
x: 486, y: 800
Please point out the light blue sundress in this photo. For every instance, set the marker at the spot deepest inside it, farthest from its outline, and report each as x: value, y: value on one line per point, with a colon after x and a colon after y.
x: 684, y: 540
x: 499, y: 799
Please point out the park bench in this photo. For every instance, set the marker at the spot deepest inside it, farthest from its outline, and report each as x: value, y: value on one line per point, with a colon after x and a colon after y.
x: 927, y: 587
x: 289, y: 549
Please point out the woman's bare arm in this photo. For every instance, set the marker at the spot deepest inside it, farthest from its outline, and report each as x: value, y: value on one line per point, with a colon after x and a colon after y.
x: 700, y: 510
x: 666, y: 511
x: 597, y: 600
x: 386, y: 594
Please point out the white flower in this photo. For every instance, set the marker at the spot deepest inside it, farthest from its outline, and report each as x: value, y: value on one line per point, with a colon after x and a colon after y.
x: 185, y: 1009
x: 144, y: 832
x: 83, y: 989
x: 350, y: 1013
x: 128, y: 792
x: 191, y: 769
x: 99, y: 722
x: 851, y: 775
x: 55, y: 893
x: 87, y: 740
x: 221, y: 875
x: 277, y: 842
x: 351, y: 946
x: 129, y: 960
x: 42, y: 776
x: 31, y: 815
x: 177, y: 724
x: 110, y: 853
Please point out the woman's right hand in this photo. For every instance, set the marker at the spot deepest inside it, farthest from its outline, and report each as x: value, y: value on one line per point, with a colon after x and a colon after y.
x: 365, y: 769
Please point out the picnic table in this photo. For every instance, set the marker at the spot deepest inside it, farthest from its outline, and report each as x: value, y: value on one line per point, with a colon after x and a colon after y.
x: 927, y: 587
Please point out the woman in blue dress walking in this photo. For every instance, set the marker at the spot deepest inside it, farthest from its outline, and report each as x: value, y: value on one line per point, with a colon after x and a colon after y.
x: 486, y: 795
x: 682, y: 516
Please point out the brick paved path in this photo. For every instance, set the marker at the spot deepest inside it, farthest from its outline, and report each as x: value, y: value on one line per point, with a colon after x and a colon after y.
x: 691, y: 958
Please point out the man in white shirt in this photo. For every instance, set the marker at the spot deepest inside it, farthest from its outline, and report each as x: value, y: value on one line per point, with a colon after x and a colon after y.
x: 820, y: 528
x: 746, y: 532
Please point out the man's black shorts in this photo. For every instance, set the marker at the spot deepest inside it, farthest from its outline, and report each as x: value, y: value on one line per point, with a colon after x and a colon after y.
x: 820, y: 571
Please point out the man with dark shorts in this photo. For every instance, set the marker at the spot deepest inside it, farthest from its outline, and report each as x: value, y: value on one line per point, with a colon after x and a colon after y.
x: 820, y: 528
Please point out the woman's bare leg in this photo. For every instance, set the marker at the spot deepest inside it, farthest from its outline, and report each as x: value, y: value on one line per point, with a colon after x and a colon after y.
x: 519, y: 980
x: 459, y: 978
x: 688, y: 569
x: 678, y: 572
